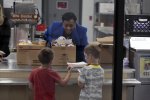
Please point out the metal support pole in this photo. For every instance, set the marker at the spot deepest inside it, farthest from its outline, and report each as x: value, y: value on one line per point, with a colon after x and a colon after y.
x: 118, y: 49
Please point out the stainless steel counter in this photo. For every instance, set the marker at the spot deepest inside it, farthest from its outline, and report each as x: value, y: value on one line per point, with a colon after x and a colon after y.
x: 21, y: 81
x: 10, y: 65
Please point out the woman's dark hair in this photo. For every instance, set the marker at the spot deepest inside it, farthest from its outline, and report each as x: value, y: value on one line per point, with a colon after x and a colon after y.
x: 46, y: 56
x: 68, y: 16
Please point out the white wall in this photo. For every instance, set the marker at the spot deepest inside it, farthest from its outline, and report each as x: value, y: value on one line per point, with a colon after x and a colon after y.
x: 87, y: 11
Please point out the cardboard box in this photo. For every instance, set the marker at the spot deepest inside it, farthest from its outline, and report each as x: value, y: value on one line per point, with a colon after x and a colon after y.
x: 106, y: 44
x: 62, y: 55
x: 105, y: 40
x: 106, y: 54
x: 27, y: 54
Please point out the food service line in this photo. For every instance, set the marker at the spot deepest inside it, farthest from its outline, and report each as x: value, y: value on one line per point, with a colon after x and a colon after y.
x: 13, y: 74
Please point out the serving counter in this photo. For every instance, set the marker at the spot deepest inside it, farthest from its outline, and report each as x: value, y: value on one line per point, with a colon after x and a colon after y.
x: 14, y: 82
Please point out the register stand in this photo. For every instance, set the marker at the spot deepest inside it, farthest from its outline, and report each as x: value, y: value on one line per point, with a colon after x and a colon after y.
x: 138, y: 30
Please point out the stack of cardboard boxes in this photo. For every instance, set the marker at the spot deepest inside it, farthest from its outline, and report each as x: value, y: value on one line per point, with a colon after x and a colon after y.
x: 27, y: 54
x: 106, y: 44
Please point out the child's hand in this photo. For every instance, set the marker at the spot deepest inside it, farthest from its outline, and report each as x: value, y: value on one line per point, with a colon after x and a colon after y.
x: 69, y: 69
x: 79, y: 70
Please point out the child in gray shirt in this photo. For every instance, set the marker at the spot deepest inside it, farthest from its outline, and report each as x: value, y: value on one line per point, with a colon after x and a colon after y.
x: 91, y: 77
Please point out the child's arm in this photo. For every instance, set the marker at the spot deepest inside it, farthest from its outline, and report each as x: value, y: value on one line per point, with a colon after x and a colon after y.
x: 30, y: 85
x: 64, y: 81
x: 30, y: 79
x: 81, y: 78
x: 81, y: 85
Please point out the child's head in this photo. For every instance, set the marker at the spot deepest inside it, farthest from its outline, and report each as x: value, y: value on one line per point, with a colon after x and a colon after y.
x: 92, y: 52
x: 46, y: 56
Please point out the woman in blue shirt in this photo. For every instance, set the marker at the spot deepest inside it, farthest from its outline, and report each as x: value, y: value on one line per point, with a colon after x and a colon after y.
x: 70, y: 30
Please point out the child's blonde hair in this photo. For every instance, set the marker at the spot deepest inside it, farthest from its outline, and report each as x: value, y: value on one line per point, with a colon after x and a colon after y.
x: 1, y: 15
x: 93, y: 49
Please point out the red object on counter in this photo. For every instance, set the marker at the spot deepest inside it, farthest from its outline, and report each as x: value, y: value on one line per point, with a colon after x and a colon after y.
x: 41, y: 27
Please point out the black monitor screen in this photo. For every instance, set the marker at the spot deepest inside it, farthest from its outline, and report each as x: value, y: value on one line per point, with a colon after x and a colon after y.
x: 137, y: 25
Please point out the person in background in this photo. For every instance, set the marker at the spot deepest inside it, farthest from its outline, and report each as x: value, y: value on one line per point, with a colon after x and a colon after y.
x: 70, y: 30
x: 42, y: 79
x: 125, y: 57
x: 4, y: 35
x: 91, y: 77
